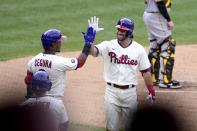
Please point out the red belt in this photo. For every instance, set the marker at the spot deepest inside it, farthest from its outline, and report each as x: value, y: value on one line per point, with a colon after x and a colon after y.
x: 121, y: 87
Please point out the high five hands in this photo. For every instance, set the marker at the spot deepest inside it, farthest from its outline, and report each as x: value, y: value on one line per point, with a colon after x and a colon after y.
x: 93, y: 22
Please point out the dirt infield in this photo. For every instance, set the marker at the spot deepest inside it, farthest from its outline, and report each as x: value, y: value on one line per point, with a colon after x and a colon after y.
x: 84, y: 94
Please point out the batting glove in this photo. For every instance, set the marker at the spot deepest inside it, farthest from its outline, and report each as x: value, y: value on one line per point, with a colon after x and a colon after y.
x: 151, y: 95
x: 89, y: 36
x: 94, y: 23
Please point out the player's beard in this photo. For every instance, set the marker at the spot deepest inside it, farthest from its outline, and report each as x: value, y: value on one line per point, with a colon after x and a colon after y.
x: 121, y: 37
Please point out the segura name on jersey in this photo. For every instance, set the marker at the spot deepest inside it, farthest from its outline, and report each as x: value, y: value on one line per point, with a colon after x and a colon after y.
x: 124, y: 59
x: 43, y: 63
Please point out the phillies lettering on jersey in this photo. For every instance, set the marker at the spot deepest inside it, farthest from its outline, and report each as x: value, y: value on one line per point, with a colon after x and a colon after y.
x: 121, y: 64
x: 124, y: 59
x: 43, y: 63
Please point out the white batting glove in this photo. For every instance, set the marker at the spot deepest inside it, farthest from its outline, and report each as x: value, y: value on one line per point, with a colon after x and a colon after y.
x: 149, y: 97
x: 94, y: 23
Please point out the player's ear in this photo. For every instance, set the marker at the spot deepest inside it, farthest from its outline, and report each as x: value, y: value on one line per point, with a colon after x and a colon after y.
x: 54, y: 45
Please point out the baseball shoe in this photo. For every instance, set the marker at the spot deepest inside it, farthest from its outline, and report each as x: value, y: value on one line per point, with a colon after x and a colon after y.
x: 156, y: 83
x: 174, y: 84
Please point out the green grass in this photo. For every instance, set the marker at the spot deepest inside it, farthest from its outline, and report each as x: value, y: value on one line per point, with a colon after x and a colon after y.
x: 184, y: 15
x: 23, y: 22
x: 81, y: 127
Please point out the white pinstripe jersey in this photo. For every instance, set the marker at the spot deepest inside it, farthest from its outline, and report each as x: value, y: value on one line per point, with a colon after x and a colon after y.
x: 121, y: 64
x: 56, y: 67
x: 52, y: 104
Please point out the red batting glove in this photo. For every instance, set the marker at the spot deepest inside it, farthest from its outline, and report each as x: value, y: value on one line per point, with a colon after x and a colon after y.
x: 151, y: 91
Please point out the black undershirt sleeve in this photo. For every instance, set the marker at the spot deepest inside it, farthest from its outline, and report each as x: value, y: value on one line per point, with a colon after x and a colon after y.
x: 163, y: 10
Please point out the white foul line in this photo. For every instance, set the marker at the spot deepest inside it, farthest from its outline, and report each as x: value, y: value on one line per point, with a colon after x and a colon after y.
x: 175, y: 91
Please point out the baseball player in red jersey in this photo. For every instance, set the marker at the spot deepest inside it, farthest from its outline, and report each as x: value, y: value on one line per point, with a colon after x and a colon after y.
x: 56, y: 66
x: 162, y: 46
x: 122, y: 58
x: 41, y: 84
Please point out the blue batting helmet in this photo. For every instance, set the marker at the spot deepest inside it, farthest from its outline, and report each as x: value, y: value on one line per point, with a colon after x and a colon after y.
x: 126, y: 24
x: 41, y: 82
x: 51, y: 36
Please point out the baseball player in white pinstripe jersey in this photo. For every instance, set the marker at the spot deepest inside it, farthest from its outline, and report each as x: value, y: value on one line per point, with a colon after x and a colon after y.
x: 122, y: 58
x: 162, y: 46
x: 41, y: 84
x: 56, y: 66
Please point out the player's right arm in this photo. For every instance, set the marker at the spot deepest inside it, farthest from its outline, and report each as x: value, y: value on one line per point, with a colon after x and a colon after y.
x: 27, y: 80
x: 93, y: 51
x: 100, y: 49
x: 30, y: 92
x: 28, y: 84
x: 93, y: 22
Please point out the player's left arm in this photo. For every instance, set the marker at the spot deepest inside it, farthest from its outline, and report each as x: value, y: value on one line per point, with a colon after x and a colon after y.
x: 144, y: 66
x: 146, y: 74
x: 89, y: 39
x: 163, y: 10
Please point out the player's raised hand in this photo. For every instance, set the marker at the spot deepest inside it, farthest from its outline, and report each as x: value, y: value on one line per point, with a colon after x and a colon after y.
x: 94, y: 23
x: 89, y: 35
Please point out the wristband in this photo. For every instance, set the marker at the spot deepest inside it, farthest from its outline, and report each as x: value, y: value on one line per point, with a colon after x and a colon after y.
x: 151, y: 91
x: 86, y: 49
